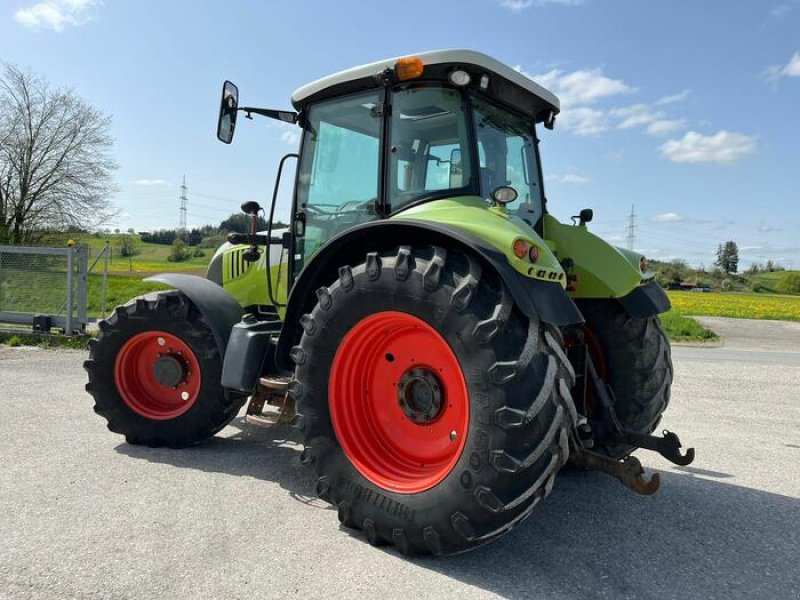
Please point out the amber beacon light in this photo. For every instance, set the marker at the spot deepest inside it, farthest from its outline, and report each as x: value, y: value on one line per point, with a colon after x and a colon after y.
x: 410, y: 67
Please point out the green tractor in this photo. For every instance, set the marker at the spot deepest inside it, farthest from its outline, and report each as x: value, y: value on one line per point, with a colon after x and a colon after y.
x: 443, y: 344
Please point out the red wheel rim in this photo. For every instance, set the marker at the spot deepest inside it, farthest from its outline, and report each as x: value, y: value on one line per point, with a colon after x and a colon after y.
x: 157, y: 375
x: 381, y: 425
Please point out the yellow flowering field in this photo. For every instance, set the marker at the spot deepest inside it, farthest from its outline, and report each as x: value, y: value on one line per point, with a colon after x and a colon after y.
x: 737, y: 305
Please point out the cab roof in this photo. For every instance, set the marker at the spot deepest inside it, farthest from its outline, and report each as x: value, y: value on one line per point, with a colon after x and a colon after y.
x: 505, y: 83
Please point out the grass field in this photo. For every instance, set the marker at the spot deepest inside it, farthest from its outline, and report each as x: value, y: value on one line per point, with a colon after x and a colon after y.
x: 149, y: 257
x: 685, y: 329
x: 736, y: 305
x: 772, y: 282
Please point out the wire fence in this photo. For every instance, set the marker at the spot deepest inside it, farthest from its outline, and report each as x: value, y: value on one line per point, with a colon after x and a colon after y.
x: 45, y: 287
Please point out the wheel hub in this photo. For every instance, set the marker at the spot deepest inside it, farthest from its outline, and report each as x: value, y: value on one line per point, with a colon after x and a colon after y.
x: 169, y: 370
x: 420, y: 395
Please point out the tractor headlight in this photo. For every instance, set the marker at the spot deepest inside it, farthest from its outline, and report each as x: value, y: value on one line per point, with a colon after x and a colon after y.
x: 504, y: 194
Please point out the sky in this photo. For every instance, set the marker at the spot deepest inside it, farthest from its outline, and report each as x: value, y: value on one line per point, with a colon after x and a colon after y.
x: 682, y: 111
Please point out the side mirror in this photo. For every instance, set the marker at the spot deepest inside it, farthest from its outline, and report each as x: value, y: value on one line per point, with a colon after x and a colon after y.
x: 227, y: 112
x: 583, y: 217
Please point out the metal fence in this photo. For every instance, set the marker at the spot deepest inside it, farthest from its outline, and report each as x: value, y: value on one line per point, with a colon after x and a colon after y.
x: 44, y: 287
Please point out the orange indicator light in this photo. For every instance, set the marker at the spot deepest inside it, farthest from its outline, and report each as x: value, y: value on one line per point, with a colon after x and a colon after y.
x: 410, y: 67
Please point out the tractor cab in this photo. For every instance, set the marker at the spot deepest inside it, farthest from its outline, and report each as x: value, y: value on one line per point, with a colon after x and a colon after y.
x: 381, y: 138
x: 386, y: 136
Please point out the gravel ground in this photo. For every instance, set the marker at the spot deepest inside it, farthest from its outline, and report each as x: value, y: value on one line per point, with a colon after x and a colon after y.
x: 84, y: 515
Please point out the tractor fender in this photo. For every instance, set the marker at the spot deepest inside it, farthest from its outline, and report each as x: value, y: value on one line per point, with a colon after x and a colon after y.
x: 645, y: 301
x: 219, y: 308
x: 543, y: 300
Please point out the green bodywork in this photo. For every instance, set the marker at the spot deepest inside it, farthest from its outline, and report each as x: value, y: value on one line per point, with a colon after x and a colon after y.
x: 599, y: 269
x: 596, y: 269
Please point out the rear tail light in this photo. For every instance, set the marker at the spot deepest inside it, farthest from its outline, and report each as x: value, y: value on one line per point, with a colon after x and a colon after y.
x: 520, y: 248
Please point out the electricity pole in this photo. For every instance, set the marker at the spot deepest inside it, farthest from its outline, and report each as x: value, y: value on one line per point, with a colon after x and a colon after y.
x: 184, y: 199
x: 631, y: 238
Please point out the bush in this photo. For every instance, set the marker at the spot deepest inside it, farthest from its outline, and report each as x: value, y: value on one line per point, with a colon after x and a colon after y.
x: 758, y: 287
x: 180, y: 252
x: 727, y: 285
x: 790, y: 284
x: 14, y: 341
x: 198, y: 252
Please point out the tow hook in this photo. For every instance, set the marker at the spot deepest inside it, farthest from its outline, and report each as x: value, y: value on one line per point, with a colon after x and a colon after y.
x: 667, y: 446
x: 629, y: 471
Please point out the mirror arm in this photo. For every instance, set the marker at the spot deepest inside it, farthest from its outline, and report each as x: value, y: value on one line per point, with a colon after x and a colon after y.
x: 287, y: 116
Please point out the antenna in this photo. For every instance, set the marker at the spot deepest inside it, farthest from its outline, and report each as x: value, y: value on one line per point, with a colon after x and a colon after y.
x: 631, y: 238
x: 184, y: 199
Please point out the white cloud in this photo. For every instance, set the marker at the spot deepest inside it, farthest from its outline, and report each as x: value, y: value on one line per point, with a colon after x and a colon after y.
x: 517, y: 6
x: 584, y: 121
x: 665, y: 126
x: 584, y: 86
x: 724, y: 147
x: 653, y: 121
x: 568, y: 178
x: 674, y: 98
x: 150, y: 182
x: 635, y: 115
x: 55, y: 14
x: 790, y: 69
x: 669, y: 217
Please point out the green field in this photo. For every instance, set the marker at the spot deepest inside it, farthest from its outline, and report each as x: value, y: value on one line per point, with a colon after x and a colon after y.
x: 737, y: 305
x: 148, y: 259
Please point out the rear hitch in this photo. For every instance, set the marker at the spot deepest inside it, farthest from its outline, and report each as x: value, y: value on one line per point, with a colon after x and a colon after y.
x: 667, y: 446
x: 608, y: 429
x: 629, y: 471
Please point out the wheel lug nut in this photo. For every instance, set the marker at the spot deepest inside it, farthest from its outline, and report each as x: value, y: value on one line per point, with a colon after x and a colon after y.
x: 453, y: 436
x: 161, y: 341
x: 184, y: 396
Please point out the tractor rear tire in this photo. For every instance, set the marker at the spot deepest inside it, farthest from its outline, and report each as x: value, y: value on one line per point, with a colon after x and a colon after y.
x: 435, y: 414
x: 634, y: 355
x: 154, y: 373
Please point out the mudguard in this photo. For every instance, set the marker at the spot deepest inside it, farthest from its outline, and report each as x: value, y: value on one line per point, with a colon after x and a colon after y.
x: 535, y: 298
x: 219, y: 308
x: 646, y: 301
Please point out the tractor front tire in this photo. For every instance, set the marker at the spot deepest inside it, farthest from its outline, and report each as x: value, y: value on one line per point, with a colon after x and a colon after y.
x: 635, y: 360
x: 154, y: 373
x: 435, y: 414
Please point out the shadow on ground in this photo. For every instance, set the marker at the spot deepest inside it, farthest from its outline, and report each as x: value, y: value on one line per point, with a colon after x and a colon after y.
x: 696, y: 538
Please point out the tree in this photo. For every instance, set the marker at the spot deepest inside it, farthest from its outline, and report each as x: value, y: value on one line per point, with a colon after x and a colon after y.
x: 728, y: 257
x: 128, y: 245
x: 241, y: 223
x: 55, y: 158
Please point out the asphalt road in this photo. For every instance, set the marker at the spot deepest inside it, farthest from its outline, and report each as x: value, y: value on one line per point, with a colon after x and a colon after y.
x: 83, y: 514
